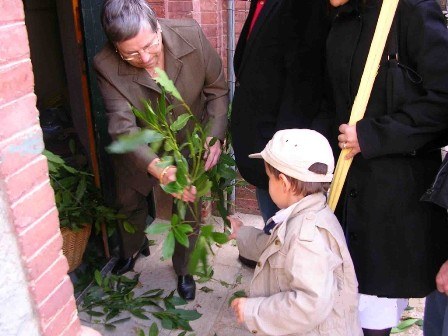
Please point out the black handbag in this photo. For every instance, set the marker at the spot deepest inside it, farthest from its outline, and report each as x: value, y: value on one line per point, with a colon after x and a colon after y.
x: 402, y: 82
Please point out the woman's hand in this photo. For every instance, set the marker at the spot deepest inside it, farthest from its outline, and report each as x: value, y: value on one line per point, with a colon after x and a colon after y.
x: 235, y: 225
x: 238, y: 307
x: 167, y: 175
x: 212, y: 153
x: 348, y: 139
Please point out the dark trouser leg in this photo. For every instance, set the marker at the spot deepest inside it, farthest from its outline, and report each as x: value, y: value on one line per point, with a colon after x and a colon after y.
x: 435, y: 321
x: 181, y: 255
x: 370, y: 332
x: 134, y: 205
x: 266, y: 204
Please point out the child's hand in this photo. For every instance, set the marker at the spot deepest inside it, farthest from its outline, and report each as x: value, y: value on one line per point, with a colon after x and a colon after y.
x: 238, y: 307
x: 235, y: 224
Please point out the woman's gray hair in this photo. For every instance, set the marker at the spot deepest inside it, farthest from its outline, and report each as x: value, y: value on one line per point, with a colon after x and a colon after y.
x: 123, y: 19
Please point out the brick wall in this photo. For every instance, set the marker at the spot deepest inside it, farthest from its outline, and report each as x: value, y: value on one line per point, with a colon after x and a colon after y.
x: 24, y: 180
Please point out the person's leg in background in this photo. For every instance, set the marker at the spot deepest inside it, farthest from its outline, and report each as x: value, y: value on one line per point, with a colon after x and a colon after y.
x: 134, y: 206
x: 265, y: 204
x: 186, y: 286
x: 435, y: 322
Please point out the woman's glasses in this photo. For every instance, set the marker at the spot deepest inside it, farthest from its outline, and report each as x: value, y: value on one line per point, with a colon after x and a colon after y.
x: 151, y: 48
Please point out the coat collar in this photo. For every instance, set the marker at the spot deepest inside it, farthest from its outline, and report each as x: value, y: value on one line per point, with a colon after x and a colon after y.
x: 175, y: 47
x: 311, y: 203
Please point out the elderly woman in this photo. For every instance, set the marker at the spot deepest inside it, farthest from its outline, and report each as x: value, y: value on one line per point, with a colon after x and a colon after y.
x: 138, y: 44
x: 397, y: 242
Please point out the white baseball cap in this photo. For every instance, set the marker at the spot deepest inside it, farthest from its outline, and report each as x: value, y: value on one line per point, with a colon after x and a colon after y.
x: 293, y: 151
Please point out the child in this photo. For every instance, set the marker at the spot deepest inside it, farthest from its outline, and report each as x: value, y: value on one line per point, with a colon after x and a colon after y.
x: 304, y: 282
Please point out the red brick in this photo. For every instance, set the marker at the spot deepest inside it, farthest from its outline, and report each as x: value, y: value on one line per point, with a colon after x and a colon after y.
x: 55, y: 301
x: 38, y: 263
x: 210, y: 5
x: 12, y: 10
x: 16, y: 80
x: 32, y: 207
x: 18, y: 115
x: 36, y: 235
x: 53, y: 276
x: 64, y: 318
x: 180, y: 6
x: 208, y: 18
x: 21, y: 182
x: 17, y: 50
x: 18, y: 151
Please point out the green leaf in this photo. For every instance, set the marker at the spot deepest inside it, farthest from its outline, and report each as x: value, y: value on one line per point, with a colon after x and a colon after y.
x: 204, y: 190
x: 128, y: 227
x: 98, y: 278
x: 181, y: 237
x: 154, y: 330
x: 181, y: 209
x: 404, y: 325
x: 206, y: 230
x: 180, y: 122
x: 167, y: 84
x: 129, y: 142
x: 168, y: 246
x: 167, y: 323
x: 206, y: 289
x: 109, y: 326
x: 157, y: 228
x: 226, y: 172
x: 141, y: 332
x: 226, y: 159
x: 139, y: 313
x: 186, y: 314
x: 220, y: 238
x: 185, y: 228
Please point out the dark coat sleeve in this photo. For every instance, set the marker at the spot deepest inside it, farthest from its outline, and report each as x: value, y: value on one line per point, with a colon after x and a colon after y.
x: 424, y: 119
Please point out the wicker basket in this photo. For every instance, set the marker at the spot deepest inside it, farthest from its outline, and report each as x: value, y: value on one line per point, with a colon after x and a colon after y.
x: 74, y: 245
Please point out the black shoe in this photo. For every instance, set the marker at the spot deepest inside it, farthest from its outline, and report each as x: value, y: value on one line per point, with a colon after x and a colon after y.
x: 247, y: 262
x: 125, y: 265
x: 186, y: 287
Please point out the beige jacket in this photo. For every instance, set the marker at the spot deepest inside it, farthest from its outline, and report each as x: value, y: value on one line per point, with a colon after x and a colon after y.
x: 196, y: 70
x: 304, y: 282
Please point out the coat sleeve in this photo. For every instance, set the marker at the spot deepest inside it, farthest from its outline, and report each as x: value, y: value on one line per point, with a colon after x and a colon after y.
x: 122, y: 121
x: 215, y: 90
x: 309, y: 267
x: 423, y: 120
x: 251, y: 242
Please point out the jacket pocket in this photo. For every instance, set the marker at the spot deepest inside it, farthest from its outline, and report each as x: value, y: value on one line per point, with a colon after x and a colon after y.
x: 277, y: 265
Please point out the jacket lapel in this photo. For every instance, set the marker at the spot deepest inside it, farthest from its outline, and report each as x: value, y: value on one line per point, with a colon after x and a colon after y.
x: 267, y: 11
x: 175, y: 47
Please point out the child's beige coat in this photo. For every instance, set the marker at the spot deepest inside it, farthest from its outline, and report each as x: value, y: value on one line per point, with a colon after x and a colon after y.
x: 304, y: 282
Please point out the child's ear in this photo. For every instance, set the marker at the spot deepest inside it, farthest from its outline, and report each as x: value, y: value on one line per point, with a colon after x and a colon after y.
x: 285, y: 182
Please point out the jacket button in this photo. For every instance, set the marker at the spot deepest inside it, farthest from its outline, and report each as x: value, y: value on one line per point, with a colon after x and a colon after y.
x: 259, y: 264
x: 353, y: 193
x: 237, y: 84
x: 353, y: 236
x: 253, y: 331
x: 277, y: 242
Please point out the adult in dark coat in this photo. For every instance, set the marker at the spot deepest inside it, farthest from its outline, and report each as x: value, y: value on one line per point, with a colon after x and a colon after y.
x: 397, y: 242
x: 278, y: 68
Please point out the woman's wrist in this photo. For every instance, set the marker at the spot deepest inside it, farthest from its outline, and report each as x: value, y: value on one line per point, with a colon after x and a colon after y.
x: 163, y: 174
